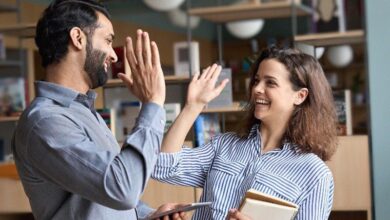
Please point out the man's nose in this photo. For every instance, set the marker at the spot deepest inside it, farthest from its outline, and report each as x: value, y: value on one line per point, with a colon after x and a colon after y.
x: 113, y: 56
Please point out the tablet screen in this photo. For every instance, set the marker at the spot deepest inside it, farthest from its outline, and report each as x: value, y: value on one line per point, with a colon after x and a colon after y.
x: 184, y: 208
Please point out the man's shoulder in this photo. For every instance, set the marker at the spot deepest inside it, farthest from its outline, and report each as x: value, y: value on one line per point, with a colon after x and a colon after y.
x: 41, y: 109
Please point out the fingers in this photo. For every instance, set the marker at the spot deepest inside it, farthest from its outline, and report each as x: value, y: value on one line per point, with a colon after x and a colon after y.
x: 195, y: 77
x: 126, y: 79
x: 212, y: 72
x: 155, y: 55
x: 147, y: 56
x: 206, y: 74
x: 139, y: 50
x: 221, y: 86
x: 214, y: 75
x: 130, y: 52
x: 235, y: 214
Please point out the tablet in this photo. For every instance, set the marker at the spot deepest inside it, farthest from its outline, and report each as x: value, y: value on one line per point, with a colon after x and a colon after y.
x: 184, y: 208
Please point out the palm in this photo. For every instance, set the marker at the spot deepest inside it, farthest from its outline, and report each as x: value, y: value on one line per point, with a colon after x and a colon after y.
x: 203, y: 89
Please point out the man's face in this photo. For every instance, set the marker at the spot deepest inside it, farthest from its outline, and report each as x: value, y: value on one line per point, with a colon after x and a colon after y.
x: 95, y: 65
x: 99, y: 52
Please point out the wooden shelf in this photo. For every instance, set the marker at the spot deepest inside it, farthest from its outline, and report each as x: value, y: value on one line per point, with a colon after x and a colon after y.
x: 9, y: 118
x: 249, y: 11
x: 234, y: 108
x: 332, y: 38
x: 168, y: 80
x: 7, y: 8
x: 10, y: 63
x: 26, y: 30
x: 8, y: 170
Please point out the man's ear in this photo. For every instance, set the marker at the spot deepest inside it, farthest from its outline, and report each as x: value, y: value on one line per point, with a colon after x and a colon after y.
x: 301, y: 96
x: 77, y: 38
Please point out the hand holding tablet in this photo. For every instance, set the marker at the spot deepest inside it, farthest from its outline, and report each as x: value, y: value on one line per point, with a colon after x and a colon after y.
x: 184, y: 208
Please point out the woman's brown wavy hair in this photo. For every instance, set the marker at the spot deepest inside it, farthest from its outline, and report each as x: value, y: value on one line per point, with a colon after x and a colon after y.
x: 312, y: 127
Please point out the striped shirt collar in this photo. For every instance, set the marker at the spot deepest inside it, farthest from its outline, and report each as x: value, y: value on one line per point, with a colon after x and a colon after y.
x: 256, y: 136
x: 62, y: 95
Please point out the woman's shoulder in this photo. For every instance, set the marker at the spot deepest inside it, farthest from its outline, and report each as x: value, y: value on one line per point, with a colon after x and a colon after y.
x: 314, y: 167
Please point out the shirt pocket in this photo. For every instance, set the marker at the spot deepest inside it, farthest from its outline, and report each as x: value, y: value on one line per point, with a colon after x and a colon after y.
x: 224, y: 166
x: 277, y: 186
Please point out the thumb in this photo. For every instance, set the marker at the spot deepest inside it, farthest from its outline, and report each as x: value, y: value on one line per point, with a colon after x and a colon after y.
x: 221, y: 86
x: 126, y: 79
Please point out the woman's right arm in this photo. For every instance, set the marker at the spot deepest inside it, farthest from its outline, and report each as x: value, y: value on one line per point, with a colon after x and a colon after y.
x: 201, y: 90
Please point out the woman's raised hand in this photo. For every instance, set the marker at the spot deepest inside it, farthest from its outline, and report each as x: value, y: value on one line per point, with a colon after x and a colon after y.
x: 203, y: 88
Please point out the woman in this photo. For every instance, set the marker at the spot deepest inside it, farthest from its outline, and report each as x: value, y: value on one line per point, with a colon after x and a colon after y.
x: 291, y: 131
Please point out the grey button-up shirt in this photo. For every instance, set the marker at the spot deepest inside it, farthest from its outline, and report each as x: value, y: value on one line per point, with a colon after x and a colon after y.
x: 71, y: 165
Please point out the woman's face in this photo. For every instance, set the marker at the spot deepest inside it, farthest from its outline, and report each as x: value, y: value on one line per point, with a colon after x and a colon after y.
x: 273, y: 94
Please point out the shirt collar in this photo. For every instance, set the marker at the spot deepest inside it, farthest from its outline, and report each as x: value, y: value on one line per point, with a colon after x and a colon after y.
x: 256, y: 136
x: 63, y: 96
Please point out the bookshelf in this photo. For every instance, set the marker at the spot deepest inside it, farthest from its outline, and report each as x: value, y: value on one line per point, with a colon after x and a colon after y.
x: 234, y: 108
x: 22, y: 30
x: 10, y: 63
x: 331, y: 38
x: 9, y: 118
x: 7, y: 8
x: 168, y: 79
x: 8, y: 170
x: 269, y: 10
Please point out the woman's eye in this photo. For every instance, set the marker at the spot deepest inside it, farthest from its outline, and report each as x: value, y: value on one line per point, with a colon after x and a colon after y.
x: 272, y: 83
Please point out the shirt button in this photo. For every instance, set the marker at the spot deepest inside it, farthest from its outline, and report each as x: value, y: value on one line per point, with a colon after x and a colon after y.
x: 162, y: 121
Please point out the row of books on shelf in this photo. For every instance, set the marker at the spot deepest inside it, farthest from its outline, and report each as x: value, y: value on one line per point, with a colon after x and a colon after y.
x: 13, y: 96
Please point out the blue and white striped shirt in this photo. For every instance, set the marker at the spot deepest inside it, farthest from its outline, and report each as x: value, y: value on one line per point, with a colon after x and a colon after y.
x: 228, y: 166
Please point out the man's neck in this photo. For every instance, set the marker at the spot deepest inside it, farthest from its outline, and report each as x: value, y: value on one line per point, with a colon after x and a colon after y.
x: 68, y: 75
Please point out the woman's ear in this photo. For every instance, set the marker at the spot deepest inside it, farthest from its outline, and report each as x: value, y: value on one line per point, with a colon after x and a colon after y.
x: 301, y: 96
x: 77, y: 38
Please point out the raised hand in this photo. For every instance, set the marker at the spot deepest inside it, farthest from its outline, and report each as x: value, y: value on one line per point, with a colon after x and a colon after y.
x: 202, y: 89
x: 146, y: 78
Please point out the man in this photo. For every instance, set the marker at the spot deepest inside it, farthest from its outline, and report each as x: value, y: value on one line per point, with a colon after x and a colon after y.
x: 69, y: 163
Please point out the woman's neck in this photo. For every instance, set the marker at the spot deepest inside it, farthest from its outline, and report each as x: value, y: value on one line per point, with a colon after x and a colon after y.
x: 271, y: 137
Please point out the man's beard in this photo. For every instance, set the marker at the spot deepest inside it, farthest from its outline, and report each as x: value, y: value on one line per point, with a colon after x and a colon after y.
x: 94, y: 66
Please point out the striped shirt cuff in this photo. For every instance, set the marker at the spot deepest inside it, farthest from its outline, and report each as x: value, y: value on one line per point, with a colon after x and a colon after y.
x: 168, y: 159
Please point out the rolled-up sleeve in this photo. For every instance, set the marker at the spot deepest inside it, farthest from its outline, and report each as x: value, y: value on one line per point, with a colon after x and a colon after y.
x: 63, y: 153
x: 188, y: 167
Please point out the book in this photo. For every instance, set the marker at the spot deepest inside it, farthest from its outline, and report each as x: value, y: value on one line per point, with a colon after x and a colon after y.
x: 342, y: 100
x: 12, y: 96
x: 172, y: 110
x: 258, y: 205
x: 206, y: 126
x: 225, y: 99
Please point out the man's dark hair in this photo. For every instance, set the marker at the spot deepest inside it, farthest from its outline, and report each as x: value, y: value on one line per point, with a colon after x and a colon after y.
x: 53, y: 28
